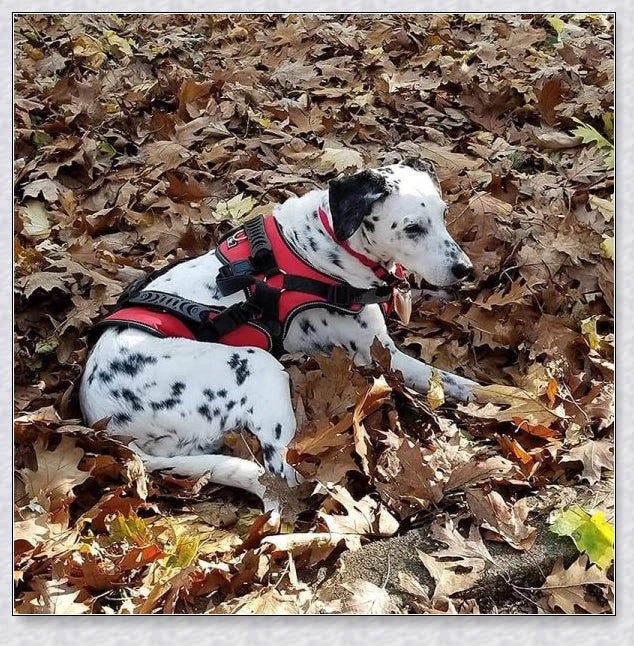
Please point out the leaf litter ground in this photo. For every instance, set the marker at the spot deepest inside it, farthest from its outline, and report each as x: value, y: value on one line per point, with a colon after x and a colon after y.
x: 142, y: 139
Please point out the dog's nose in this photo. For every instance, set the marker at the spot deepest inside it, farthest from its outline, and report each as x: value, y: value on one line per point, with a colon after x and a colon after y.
x: 462, y: 271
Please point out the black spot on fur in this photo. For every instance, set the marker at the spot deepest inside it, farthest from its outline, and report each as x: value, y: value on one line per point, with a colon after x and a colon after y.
x: 106, y: 377
x: 173, y: 400
x: 306, y: 326
x: 278, y: 431
x: 121, y: 418
x: 91, y: 376
x: 415, y: 231
x: 324, y: 322
x: 222, y: 393
x: 268, y: 451
x: 223, y: 421
x: 132, y: 365
x: 250, y: 351
x: 313, y: 244
x: 157, y: 438
x: 333, y: 256
x: 216, y: 412
x: 353, y: 346
x: 394, y: 225
x: 369, y: 225
x: 240, y: 366
x: 132, y: 399
x: 243, y: 401
x: 184, y: 444
x: 230, y: 404
x: 422, y: 204
x: 363, y: 324
x: 209, y: 394
x: 205, y: 412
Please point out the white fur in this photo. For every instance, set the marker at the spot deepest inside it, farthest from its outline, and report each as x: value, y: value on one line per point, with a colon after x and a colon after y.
x: 178, y: 397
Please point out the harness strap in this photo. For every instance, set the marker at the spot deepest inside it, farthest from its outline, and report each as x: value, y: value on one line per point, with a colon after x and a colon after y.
x: 203, y: 321
x: 342, y: 294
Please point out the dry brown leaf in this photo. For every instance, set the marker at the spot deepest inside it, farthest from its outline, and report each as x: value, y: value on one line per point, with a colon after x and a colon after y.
x: 565, y: 589
x: 51, y: 484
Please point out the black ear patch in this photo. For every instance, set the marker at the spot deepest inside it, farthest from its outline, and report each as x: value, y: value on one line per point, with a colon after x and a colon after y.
x: 351, y: 198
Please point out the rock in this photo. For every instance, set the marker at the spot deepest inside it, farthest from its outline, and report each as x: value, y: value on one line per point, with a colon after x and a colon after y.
x: 380, y: 562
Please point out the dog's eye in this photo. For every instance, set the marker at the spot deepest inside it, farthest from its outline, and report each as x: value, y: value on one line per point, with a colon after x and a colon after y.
x: 415, y: 230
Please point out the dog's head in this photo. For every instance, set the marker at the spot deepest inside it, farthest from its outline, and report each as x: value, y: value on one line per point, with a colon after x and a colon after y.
x: 397, y: 213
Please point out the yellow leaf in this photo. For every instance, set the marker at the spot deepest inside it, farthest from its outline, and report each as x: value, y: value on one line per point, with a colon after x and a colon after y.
x: 259, y: 118
x: 122, y: 44
x: 591, y: 534
x: 604, y: 207
x: 33, y: 52
x: 235, y: 208
x: 436, y: 393
x: 89, y: 48
x: 607, y: 247
x: 556, y: 23
x: 589, y: 330
x: 340, y: 158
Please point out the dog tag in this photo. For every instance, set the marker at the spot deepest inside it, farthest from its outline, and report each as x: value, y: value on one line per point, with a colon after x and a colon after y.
x: 403, y: 303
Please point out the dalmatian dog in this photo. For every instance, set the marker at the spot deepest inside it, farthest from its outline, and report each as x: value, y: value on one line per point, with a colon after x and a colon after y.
x: 177, y: 397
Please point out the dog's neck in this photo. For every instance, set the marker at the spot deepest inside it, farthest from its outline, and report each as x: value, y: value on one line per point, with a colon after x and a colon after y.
x: 302, y: 227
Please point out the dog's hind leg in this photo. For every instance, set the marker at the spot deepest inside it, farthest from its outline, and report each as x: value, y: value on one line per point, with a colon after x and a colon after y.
x: 222, y: 469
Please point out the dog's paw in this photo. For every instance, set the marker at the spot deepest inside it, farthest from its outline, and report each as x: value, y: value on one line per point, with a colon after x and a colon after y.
x: 291, y: 476
x: 459, y: 388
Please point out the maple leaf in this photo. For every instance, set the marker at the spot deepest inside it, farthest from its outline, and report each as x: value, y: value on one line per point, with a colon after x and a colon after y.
x: 364, y: 517
x: 565, y: 588
x: 594, y: 455
x: 461, y: 565
x: 591, y: 534
x: 51, y: 484
x: 368, y: 599
x: 508, y: 521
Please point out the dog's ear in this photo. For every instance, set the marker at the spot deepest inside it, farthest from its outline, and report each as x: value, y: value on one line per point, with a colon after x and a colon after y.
x: 425, y: 166
x: 351, y: 198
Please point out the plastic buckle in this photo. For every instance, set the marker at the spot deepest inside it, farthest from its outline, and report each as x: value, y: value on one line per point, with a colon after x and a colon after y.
x: 237, y: 268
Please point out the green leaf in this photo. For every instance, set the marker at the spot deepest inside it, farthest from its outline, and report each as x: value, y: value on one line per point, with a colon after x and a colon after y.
x: 591, y: 534
x: 41, y: 138
x: 590, y: 135
x: 106, y: 148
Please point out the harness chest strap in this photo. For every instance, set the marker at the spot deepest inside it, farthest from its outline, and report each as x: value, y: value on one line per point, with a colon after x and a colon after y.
x: 277, y: 285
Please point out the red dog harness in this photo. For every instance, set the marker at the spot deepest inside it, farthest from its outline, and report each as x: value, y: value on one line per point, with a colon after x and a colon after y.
x: 277, y: 285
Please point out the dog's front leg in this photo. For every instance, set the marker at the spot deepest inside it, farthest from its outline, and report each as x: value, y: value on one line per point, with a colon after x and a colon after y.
x: 357, y: 336
x: 417, y: 374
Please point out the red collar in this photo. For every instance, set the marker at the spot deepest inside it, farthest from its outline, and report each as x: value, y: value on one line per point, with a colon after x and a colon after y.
x: 379, y: 271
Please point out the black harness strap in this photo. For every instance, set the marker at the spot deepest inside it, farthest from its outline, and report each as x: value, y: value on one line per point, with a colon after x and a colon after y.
x: 342, y: 294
